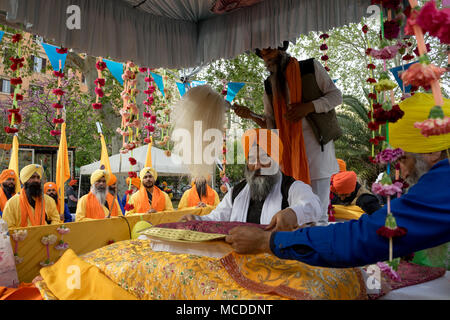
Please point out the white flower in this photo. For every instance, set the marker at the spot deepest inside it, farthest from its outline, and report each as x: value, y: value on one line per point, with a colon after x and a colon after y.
x: 63, y: 230
x: 49, y: 240
x: 18, y: 259
x: 19, y: 235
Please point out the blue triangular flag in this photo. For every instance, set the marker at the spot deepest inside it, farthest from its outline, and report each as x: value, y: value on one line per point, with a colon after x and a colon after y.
x: 181, y: 88
x: 196, y: 83
x: 54, y: 56
x: 2, y: 33
x: 395, y: 71
x: 335, y: 80
x: 116, y: 69
x: 233, y: 89
x: 159, y: 82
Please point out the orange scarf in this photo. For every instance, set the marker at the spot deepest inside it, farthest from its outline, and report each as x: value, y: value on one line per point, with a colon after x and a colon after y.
x: 94, y: 210
x: 3, y: 199
x: 194, y: 199
x: 295, y: 161
x: 112, y: 205
x: 158, y: 200
x: 37, y: 217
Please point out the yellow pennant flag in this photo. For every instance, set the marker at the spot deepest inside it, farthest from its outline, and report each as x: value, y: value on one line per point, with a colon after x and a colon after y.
x: 62, y: 168
x: 104, y: 159
x: 14, y: 161
x: 148, y: 161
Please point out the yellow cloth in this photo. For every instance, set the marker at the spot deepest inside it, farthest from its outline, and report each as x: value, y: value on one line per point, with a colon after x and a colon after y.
x: 147, y: 275
x: 64, y: 276
x: 14, y: 161
x: 135, y: 198
x: 403, y: 134
x: 145, y: 171
x: 62, y: 169
x: 81, y: 210
x: 13, y: 216
x: 29, y: 170
x: 347, y: 212
x: 183, y: 204
x: 148, y: 159
x: 98, y: 174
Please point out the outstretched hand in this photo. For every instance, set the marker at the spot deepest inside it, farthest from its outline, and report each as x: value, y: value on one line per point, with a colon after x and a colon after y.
x: 284, y: 220
x: 297, y: 111
x: 242, y: 112
x: 249, y: 240
x: 188, y: 217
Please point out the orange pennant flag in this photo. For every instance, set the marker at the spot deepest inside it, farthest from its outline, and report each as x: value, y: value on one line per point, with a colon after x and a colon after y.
x: 62, y: 168
x: 14, y: 161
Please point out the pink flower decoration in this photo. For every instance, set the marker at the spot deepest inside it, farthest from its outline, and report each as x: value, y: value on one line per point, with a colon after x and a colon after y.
x: 58, y: 74
x: 411, y: 22
x: 99, y: 92
x: 148, y: 79
x: 58, y: 92
x: 131, y: 65
x: 57, y: 106
x: 96, y: 106
x: 57, y: 121
x: 389, y: 155
x: 153, y: 119
x: 147, y: 140
x: 435, y: 21
x: 384, y: 267
x: 391, y: 233
x: 55, y: 133
x: 143, y: 70
x: 421, y: 75
x: 386, y: 53
x: 147, y: 114
x: 434, y: 127
x: 387, y: 190
x: 100, y: 65
x: 100, y: 82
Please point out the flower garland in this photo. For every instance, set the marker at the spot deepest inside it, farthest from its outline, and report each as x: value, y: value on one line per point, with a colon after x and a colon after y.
x: 18, y: 236
x: 130, y: 112
x: 58, y: 92
x: 164, y: 127
x: 149, y: 114
x: 425, y: 74
x: 324, y: 48
x: 62, y: 230
x: 131, y: 174
x: 99, y: 84
x: 47, y: 241
x: 14, y: 117
x: 222, y: 174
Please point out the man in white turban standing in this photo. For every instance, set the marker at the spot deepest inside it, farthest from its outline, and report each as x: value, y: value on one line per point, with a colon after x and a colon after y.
x: 31, y: 207
x: 94, y: 206
x: 149, y: 198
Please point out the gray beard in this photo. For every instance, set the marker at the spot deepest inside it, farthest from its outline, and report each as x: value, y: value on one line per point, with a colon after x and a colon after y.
x: 420, y: 168
x: 99, y: 194
x: 260, y: 186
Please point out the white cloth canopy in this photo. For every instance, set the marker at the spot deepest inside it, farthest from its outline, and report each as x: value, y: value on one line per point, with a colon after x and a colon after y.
x: 164, y: 166
x: 178, y: 33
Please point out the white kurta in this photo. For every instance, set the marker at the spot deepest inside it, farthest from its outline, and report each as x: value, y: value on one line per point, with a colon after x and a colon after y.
x: 321, y: 164
x: 301, y: 199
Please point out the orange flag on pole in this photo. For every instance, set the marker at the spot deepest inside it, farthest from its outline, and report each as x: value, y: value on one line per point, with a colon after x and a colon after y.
x: 14, y: 161
x: 62, y: 168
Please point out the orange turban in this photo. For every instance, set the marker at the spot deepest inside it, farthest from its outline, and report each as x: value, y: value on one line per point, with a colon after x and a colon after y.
x: 266, y: 139
x: 6, y: 174
x: 342, y: 165
x: 135, y: 182
x: 72, y: 183
x: 344, y: 182
x: 49, y: 185
x: 112, y: 179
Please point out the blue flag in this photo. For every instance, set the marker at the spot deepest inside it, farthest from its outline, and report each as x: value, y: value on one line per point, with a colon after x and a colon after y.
x: 54, y: 56
x: 159, y: 82
x: 395, y: 71
x: 2, y: 33
x: 233, y: 89
x: 181, y: 88
x: 116, y: 69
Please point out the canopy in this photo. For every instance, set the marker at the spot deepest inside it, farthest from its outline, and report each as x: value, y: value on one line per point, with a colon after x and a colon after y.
x: 178, y: 33
x: 165, y: 166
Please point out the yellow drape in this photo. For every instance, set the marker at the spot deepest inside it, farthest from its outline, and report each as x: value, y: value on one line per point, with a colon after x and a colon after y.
x: 62, y: 168
x: 347, y: 212
x: 148, y: 161
x: 14, y: 161
x: 104, y: 159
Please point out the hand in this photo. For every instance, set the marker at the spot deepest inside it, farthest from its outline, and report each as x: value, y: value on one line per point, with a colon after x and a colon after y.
x: 297, y: 111
x: 249, y: 240
x: 61, y: 217
x: 188, y: 217
x: 151, y: 211
x: 242, y: 112
x: 285, y: 220
x: 201, y: 205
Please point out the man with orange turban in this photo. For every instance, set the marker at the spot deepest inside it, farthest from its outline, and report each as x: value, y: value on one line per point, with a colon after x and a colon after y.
x: 133, y: 184
x: 94, y: 205
x: 31, y: 207
x: 266, y: 196
x: 72, y: 196
x: 349, y: 192
x: 8, y: 187
x: 149, y: 198
x: 51, y: 190
x: 112, y: 196
x: 199, y: 196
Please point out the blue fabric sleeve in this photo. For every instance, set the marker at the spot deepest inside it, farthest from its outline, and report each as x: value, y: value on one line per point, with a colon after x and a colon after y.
x: 121, y: 204
x: 67, y: 215
x: 424, y: 211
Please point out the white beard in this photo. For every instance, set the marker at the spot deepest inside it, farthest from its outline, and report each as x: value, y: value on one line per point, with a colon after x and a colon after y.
x: 100, y: 195
x: 260, y: 186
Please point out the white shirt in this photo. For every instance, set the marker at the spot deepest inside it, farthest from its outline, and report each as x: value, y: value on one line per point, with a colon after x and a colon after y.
x: 301, y: 199
x: 321, y: 164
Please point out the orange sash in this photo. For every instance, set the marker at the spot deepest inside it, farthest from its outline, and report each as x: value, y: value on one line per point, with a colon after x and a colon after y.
x: 295, y: 161
x: 112, y: 205
x: 3, y: 199
x: 36, y: 216
x: 158, y: 200
x: 194, y: 199
x: 94, y: 210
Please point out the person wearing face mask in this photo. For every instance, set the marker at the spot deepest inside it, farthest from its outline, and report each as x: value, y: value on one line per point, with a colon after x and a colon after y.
x: 31, y: 207
x: 8, y: 187
x: 266, y: 196
x: 149, y: 198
